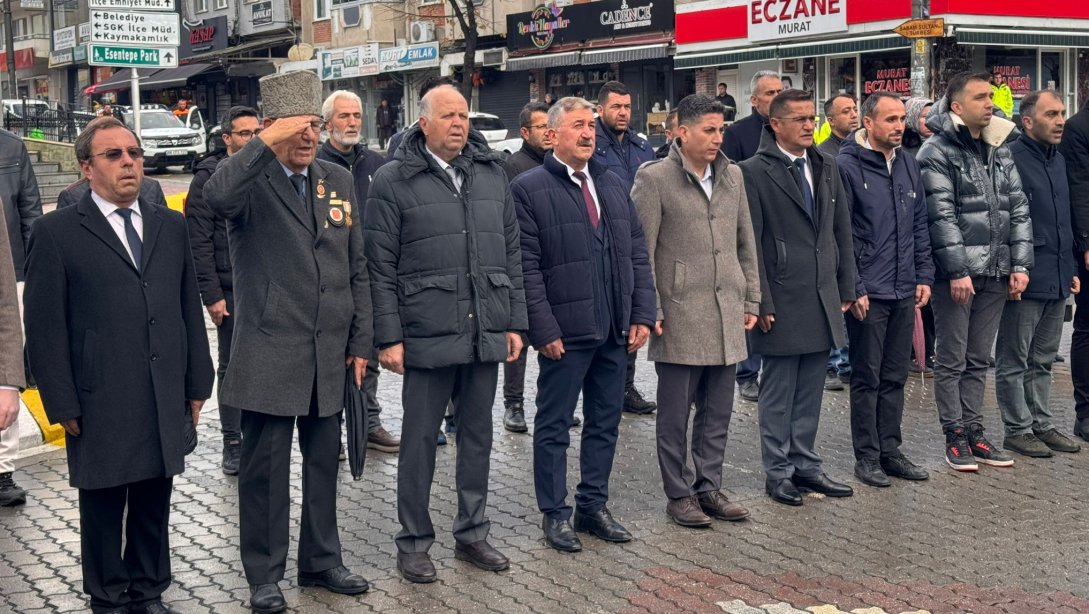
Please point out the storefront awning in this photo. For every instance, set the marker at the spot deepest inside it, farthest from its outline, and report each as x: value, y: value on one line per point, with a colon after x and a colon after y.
x: 1011, y: 37
x: 625, y: 54
x: 174, y: 77
x: 801, y: 50
x: 118, y: 81
x: 544, y: 60
x: 254, y: 45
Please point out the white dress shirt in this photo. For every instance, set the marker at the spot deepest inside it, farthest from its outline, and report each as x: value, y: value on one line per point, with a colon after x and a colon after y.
x: 707, y: 182
x: 109, y: 211
x: 589, y: 183
x: 455, y: 176
x: 808, y: 167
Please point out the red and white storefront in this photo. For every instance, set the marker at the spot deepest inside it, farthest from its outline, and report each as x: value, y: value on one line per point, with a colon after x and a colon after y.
x: 831, y: 46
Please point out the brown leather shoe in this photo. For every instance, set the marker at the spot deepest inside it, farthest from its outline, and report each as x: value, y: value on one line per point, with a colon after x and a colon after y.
x: 380, y: 439
x: 716, y: 505
x: 481, y: 554
x: 686, y: 512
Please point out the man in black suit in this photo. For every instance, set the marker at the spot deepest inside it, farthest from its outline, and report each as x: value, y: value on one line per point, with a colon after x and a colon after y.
x: 116, y: 335
x: 303, y: 315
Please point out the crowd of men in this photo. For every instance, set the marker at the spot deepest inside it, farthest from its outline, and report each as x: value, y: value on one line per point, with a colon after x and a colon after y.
x: 745, y: 256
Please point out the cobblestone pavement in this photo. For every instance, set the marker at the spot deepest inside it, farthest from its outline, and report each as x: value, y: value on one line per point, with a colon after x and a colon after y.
x: 1003, y: 540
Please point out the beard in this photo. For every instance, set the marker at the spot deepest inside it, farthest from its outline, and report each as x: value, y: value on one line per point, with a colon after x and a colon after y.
x: 344, y: 139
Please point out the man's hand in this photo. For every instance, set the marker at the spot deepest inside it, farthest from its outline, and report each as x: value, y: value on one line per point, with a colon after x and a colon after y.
x: 1086, y: 255
x: 845, y: 306
x: 360, y: 367
x: 195, y: 406
x: 922, y: 295
x: 71, y: 427
x: 765, y: 322
x: 658, y: 328
x: 750, y: 321
x: 393, y: 358
x: 552, y: 351
x: 514, y: 346
x: 861, y: 307
x: 961, y: 290
x: 9, y: 407
x: 637, y: 337
x: 284, y: 128
x: 1075, y: 287
x: 218, y: 311
x: 1018, y: 283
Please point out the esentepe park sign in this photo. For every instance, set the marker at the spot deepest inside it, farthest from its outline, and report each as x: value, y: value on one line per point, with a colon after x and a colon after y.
x: 549, y: 25
x: 775, y: 19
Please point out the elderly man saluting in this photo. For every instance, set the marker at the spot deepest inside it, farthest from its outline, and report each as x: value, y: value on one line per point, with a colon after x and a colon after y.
x: 303, y: 312
x: 442, y: 245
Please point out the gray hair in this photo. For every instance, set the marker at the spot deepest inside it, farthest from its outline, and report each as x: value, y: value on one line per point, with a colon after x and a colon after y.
x: 425, y: 102
x: 565, y: 105
x: 761, y: 74
x: 327, y: 106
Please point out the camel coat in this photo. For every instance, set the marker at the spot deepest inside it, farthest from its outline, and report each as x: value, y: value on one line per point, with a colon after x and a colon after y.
x: 703, y: 255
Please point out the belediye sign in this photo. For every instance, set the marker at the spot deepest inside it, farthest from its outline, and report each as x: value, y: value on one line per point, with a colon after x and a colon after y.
x: 135, y: 28
x: 778, y: 19
x: 134, y: 5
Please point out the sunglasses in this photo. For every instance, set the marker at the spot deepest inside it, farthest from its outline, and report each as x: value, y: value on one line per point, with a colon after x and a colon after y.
x: 113, y: 155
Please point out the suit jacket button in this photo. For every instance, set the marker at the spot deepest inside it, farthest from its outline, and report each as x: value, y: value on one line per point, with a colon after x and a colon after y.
x: 154, y: 357
x: 143, y: 283
x: 323, y: 288
x: 151, y: 321
x: 318, y: 333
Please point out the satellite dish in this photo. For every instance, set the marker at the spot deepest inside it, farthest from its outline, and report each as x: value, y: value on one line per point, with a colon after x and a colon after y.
x: 300, y: 52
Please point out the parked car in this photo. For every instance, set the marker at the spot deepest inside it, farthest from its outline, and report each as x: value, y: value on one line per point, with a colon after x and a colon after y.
x: 165, y: 139
x: 493, y: 128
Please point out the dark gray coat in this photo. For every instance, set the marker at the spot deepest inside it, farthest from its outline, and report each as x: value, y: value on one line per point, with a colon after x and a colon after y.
x: 807, y: 269
x: 19, y: 192
x: 120, y: 349
x: 302, y: 300
x: 150, y: 191
x: 979, y: 215
x: 446, y: 268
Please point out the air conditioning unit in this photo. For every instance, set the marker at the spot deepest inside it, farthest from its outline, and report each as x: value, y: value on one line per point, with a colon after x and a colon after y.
x: 422, y: 31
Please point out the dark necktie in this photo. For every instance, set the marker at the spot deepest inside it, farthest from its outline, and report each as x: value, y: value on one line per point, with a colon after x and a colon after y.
x: 135, y: 245
x: 807, y: 192
x: 299, y: 181
x: 591, y: 208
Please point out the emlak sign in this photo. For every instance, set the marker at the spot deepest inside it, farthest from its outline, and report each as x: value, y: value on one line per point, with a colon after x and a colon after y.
x: 775, y: 19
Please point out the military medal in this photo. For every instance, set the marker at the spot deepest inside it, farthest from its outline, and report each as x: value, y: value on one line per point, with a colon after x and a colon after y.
x: 320, y: 190
x: 336, y: 215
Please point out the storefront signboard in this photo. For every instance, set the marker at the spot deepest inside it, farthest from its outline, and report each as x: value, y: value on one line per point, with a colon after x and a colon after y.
x: 84, y: 33
x: 552, y: 24
x: 778, y: 19
x: 262, y: 13
x: 64, y: 38
x: 393, y: 59
x: 348, y: 62
x: 209, y: 34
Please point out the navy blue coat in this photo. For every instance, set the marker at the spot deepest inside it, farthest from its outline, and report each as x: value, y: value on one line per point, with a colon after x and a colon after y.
x: 556, y: 244
x: 742, y: 138
x: 889, y: 222
x: 609, y: 152
x: 1043, y: 178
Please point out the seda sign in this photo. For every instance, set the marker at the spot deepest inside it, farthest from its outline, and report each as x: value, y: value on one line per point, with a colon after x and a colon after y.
x: 777, y: 19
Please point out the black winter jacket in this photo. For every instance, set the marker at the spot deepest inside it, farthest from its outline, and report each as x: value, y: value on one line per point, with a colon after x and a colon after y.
x: 556, y: 244
x: 525, y: 159
x: 979, y: 216
x: 742, y: 137
x: 367, y: 163
x: 889, y: 223
x: 621, y: 157
x: 208, y: 236
x: 1075, y: 148
x: 446, y: 268
x: 1043, y: 171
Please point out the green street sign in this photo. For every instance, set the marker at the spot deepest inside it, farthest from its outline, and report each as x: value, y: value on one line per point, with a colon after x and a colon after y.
x: 152, y: 57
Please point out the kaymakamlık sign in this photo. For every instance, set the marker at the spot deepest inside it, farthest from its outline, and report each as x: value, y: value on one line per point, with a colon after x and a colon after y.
x: 779, y: 19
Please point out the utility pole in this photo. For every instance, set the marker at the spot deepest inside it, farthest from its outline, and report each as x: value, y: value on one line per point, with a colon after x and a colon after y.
x: 920, y: 53
x: 9, y: 42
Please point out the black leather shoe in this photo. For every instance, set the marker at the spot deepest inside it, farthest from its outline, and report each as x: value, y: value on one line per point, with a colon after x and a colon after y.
x: 824, y: 485
x: 783, y: 491
x: 1081, y: 428
x: 514, y: 419
x: 869, y: 472
x: 601, y: 524
x: 481, y: 554
x: 337, y: 580
x: 266, y: 599
x: 559, y: 535
x: 152, y: 607
x: 416, y: 567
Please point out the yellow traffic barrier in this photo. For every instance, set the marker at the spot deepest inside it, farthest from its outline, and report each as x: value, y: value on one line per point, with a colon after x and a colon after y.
x: 51, y: 433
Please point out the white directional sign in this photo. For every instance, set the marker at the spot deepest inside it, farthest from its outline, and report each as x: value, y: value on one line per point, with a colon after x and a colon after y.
x: 134, y: 5
x: 129, y: 28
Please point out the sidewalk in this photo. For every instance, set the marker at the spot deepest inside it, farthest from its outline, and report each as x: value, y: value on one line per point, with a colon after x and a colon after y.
x: 1003, y: 540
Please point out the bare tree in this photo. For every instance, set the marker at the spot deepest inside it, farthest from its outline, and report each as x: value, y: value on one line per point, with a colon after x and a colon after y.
x: 465, y: 12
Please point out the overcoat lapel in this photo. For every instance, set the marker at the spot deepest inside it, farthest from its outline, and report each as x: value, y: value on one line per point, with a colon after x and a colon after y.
x: 96, y: 223
x: 285, y: 191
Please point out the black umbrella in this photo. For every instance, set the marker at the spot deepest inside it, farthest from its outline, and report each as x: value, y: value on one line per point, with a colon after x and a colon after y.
x: 355, y: 420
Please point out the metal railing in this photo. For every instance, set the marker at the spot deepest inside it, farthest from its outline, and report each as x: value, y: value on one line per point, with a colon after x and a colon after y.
x: 32, y: 119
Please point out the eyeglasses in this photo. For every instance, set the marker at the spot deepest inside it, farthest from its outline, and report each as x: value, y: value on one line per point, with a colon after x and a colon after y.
x: 246, y: 133
x: 803, y: 119
x: 318, y: 125
x: 539, y: 127
x: 113, y: 155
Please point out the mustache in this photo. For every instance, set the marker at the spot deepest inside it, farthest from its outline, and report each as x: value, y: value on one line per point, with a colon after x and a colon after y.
x: 585, y: 143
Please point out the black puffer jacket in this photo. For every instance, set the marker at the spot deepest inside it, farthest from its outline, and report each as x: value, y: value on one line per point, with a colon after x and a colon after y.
x: 446, y: 268
x: 979, y: 215
x: 208, y: 236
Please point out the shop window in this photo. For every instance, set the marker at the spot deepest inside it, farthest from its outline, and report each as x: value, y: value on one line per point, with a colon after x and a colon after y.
x: 886, y: 72
x: 841, y: 76
x: 321, y: 9
x: 1017, y: 68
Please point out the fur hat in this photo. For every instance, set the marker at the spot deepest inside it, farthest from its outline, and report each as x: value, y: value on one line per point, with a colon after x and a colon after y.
x: 292, y: 93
